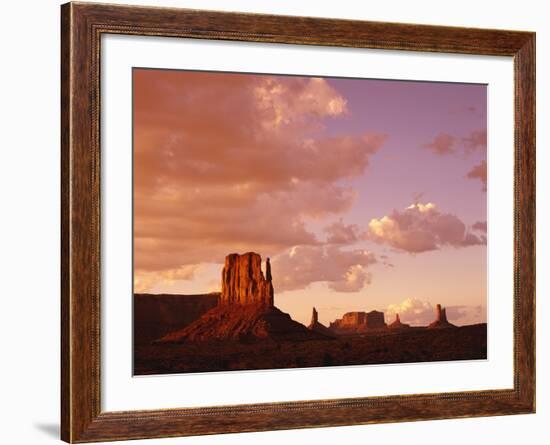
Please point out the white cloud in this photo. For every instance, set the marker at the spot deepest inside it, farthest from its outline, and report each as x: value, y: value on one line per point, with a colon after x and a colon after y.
x: 412, y: 311
x: 421, y: 228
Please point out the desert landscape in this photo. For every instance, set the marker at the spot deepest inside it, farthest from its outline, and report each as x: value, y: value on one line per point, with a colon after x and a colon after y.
x: 240, y: 328
x: 290, y: 221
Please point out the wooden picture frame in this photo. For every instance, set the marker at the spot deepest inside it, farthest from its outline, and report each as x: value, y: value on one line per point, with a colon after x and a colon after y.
x: 82, y: 25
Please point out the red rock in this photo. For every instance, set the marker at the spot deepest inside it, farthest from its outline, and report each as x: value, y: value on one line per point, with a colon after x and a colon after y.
x: 158, y: 315
x: 243, y: 323
x: 246, y: 311
x: 314, y: 317
x: 243, y: 281
x: 358, y: 322
x: 319, y: 327
x: 441, y: 319
x: 375, y: 320
x: 397, y: 324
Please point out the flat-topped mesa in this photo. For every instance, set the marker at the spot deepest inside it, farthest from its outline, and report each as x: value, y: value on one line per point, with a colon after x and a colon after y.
x: 358, y: 322
x: 243, y: 281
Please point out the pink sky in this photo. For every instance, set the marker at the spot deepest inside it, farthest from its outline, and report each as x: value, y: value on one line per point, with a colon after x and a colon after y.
x: 366, y: 194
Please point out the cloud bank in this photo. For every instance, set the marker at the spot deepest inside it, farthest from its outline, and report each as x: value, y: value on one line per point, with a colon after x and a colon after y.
x: 421, y: 313
x: 421, y: 228
x: 233, y: 162
x: 342, y: 270
x: 341, y: 233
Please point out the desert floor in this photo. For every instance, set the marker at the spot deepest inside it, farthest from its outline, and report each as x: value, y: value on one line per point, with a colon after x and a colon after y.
x: 403, y: 346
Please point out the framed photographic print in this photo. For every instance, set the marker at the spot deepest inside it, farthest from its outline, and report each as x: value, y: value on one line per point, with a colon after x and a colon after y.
x: 279, y: 222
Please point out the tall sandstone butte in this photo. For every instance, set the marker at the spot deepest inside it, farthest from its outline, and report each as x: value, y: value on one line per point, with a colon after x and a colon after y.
x: 246, y: 311
x: 243, y: 281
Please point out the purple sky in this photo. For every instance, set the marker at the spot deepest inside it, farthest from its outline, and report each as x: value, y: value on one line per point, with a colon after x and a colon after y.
x: 367, y: 194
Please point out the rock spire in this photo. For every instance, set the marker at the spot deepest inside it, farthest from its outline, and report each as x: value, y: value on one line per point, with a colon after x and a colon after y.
x: 319, y: 327
x: 314, y: 317
x: 397, y: 324
x: 440, y: 318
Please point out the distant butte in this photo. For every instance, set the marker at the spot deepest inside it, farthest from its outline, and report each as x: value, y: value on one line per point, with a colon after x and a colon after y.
x: 441, y: 319
x: 397, y: 324
x: 358, y: 322
x: 316, y: 326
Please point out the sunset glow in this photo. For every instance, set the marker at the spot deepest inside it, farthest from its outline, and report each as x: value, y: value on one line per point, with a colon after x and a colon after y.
x: 365, y: 194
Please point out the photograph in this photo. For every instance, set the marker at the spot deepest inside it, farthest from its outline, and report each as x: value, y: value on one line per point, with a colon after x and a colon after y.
x: 278, y: 218
x: 299, y: 221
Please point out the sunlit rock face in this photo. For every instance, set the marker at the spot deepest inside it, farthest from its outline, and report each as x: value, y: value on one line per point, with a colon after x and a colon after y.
x: 246, y: 311
x: 243, y: 281
x: 358, y: 322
